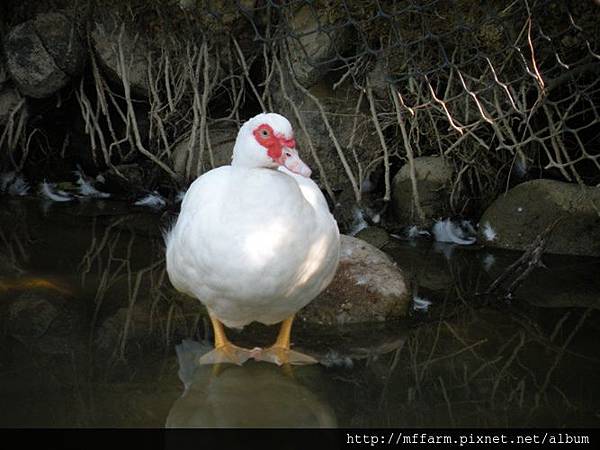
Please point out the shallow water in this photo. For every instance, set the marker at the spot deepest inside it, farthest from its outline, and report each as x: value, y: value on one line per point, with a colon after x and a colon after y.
x: 90, y: 327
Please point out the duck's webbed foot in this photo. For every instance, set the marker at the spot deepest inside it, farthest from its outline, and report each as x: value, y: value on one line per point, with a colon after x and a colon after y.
x: 227, y: 353
x: 280, y: 352
x: 282, y: 355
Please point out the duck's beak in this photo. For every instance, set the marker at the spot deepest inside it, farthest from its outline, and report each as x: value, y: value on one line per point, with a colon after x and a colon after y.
x: 293, y: 163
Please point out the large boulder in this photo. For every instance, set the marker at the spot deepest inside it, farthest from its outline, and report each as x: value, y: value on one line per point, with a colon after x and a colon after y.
x: 433, y: 175
x: 62, y: 41
x: 109, y: 34
x: 515, y: 219
x: 368, y: 287
x: 314, y: 44
x: 44, y: 54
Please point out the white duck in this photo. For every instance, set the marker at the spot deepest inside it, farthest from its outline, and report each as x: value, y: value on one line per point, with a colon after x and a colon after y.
x: 255, y: 241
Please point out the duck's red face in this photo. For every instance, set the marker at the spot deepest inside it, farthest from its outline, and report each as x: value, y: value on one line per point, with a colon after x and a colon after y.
x: 281, y: 149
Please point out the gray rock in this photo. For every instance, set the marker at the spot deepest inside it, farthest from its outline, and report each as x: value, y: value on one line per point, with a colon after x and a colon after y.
x: 108, y: 33
x: 368, y: 287
x: 43, y: 54
x: 62, y: 41
x: 433, y: 175
x: 30, y: 65
x: 30, y: 316
x: 515, y: 219
x: 314, y: 44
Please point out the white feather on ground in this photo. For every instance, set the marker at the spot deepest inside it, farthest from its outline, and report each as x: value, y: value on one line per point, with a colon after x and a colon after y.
x: 49, y: 191
x: 359, y: 222
x: 448, y: 231
x: 488, y: 232
x: 19, y: 186
x: 421, y: 304
x: 152, y: 200
x: 86, y: 188
x: 6, y: 180
x: 13, y: 184
x: 415, y: 232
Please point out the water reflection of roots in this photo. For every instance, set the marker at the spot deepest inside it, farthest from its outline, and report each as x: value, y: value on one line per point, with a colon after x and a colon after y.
x: 130, y: 268
x: 490, y: 368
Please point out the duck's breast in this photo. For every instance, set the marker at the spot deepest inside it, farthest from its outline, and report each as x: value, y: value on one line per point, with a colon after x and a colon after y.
x: 248, y: 239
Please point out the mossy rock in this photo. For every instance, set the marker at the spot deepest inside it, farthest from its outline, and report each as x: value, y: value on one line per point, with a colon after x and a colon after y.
x: 107, y: 34
x: 367, y: 287
x: 43, y: 54
x: 433, y: 175
x: 516, y: 218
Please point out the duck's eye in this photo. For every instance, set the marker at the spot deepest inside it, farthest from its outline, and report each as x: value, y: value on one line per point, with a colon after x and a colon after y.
x: 264, y: 133
x: 288, y: 154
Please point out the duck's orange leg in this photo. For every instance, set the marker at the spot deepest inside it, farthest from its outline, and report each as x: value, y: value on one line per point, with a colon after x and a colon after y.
x: 225, y: 351
x: 280, y: 352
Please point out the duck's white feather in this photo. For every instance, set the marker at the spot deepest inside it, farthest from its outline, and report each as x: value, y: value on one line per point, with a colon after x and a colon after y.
x: 253, y: 244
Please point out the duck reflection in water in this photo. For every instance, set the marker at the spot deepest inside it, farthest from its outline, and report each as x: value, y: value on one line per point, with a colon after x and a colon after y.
x: 255, y: 395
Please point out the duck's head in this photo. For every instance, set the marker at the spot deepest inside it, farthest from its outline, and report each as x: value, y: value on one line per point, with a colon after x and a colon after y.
x: 267, y: 140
